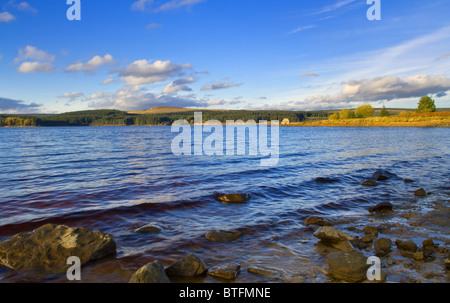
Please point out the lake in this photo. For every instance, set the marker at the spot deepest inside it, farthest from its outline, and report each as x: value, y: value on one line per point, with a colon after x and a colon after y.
x: 116, y: 179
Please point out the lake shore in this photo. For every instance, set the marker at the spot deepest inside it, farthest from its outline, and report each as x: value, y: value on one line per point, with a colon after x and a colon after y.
x: 378, y: 122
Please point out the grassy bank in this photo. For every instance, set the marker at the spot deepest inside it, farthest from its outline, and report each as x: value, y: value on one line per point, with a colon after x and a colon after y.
x: 439, y: 119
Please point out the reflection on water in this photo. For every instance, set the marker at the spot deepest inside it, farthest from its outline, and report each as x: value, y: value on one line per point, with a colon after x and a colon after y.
x: 118, y: 178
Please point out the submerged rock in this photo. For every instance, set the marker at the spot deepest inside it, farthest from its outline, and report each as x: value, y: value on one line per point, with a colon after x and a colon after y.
x: 382, y: 246
x: 406, y: 245
x: 48, y: 247
x: 447, y: 264
x: 314, y: 220
x: 381, y: 207
x: 370, y: 230
x: 381, y: 175
x: 150, y: 273
x: 227, y: 271
x: 348, y: 266
x: 420, y: 193
x: 264, y: 271
x: 234, y: 198
x: 149, y: 228
x: 189, y: 266
x: 409, y: 181
x: 369, y: 183
x: 326, y: 180
x: 222, y: 235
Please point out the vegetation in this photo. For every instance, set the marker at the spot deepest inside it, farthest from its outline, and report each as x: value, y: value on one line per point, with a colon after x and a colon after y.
x: 16, y: 122
x: 364, y: 111
x: 426, y: 105
x: 334, y: 116
x: 384, y: 112
x: 346, y: 114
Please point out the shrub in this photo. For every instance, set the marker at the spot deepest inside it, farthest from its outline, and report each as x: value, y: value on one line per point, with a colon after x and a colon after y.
x: 334, y: 117
x: 384, y: 112
x: 426, y: 105
x: 346, y: 114
x: 364, y: 111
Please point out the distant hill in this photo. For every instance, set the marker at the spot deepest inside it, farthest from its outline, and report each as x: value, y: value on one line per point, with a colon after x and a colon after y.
x: 168, y: 110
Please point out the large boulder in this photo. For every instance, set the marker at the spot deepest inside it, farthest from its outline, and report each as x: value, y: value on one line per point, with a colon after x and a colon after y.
x: 189, y: 266
x: 222, y: 235
x: 234, y: 198
x: 227, y: 271
x: 348, y: 266
x: 150, y: 273
x: 48, y: 247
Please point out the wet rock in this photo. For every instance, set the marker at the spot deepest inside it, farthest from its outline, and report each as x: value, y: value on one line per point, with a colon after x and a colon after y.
x: 369, y: 183
x: 234, y: 198
x: 189, y: 266
x: 367, y: 238
x: 150, y: 273
x: 335, y: 238
x: 348, y: 266
x: 418, y: 256
x: 381, y: 207
x: 359, y: 244
x: 447, y: 264
x: 381, y: 175
x: 48, y: 247
x: 264, y: 271
x: 407, y: 245
x: 149, y: 228
x: 227, y: 271
x: 382, y: 246
x: 222, y: 235
x: 420, y: 193
x: 326, y: 180
x: 429, y: 247
x: 370, y: 230
x: 409, y: 181
x: 316, y: 221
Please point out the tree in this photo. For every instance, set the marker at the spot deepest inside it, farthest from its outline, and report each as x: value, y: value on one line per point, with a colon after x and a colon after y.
x: 384, y: 112
x: 334, y: 117
x: 426, y: 105
x: 346, y: 114
x: 364, y: 111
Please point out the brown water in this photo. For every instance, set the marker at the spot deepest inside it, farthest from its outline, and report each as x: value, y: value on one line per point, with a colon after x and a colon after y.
x: 116, y: 179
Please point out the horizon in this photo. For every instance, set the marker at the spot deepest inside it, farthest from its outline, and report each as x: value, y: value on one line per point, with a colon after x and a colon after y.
x: 297, y: 56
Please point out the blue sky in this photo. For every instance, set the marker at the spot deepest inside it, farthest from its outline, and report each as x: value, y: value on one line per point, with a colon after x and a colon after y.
x: 248, y: 54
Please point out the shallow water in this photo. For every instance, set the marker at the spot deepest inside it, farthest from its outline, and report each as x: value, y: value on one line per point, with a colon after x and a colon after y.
x: 116, y: 179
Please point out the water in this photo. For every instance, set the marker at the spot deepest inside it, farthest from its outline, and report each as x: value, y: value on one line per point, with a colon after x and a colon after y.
x: 116, y: 179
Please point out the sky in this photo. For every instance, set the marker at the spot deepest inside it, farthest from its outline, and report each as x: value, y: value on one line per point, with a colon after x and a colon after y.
x: 222, y: 54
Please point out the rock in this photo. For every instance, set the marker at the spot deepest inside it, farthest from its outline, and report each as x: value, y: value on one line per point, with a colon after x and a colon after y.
x: 48, y: 247
x: 420, y: 192
x: 447, y: 264
x: 330, y: 234
x: 370, y: 230
x: 408, y: 246
x: 234, y: 198
x: 418, y: 256
x: 381, y: 207
x: 409, y: 181
x: 150, y: 228
x: 381, y: 175
x: 369, y: 183
x: 316, y: 221
x: 189, y: 266
x: 227, y: 271
x: 382, y: 246
x: 348, y: 266
x: 429, y: 247
x: 264, y: 271
x: 222, y: 235
x: 335, y: 238
x: 150, y: 273
x: 367, y: 239
x: 326, y: 180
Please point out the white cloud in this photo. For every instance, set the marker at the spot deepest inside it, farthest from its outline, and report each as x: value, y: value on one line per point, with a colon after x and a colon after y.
x: 178, y: 85
x: 34, y: 67
x: 220, y: 85
x: 131, y: 98
x: 92, y: 65
x: 301, y: 28
x: 33, y: 53
x: 6, y: 17
x: 309, y: 75
x: 71, y: 96
x: 217, y: 102
x: 149, y: 5
x: 107, y: 81
x: 23, y: 6
x: 144, y: 72
x: 334, y: 6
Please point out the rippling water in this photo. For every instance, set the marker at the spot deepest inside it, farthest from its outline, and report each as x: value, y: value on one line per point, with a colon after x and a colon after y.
x: 116, y: 179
